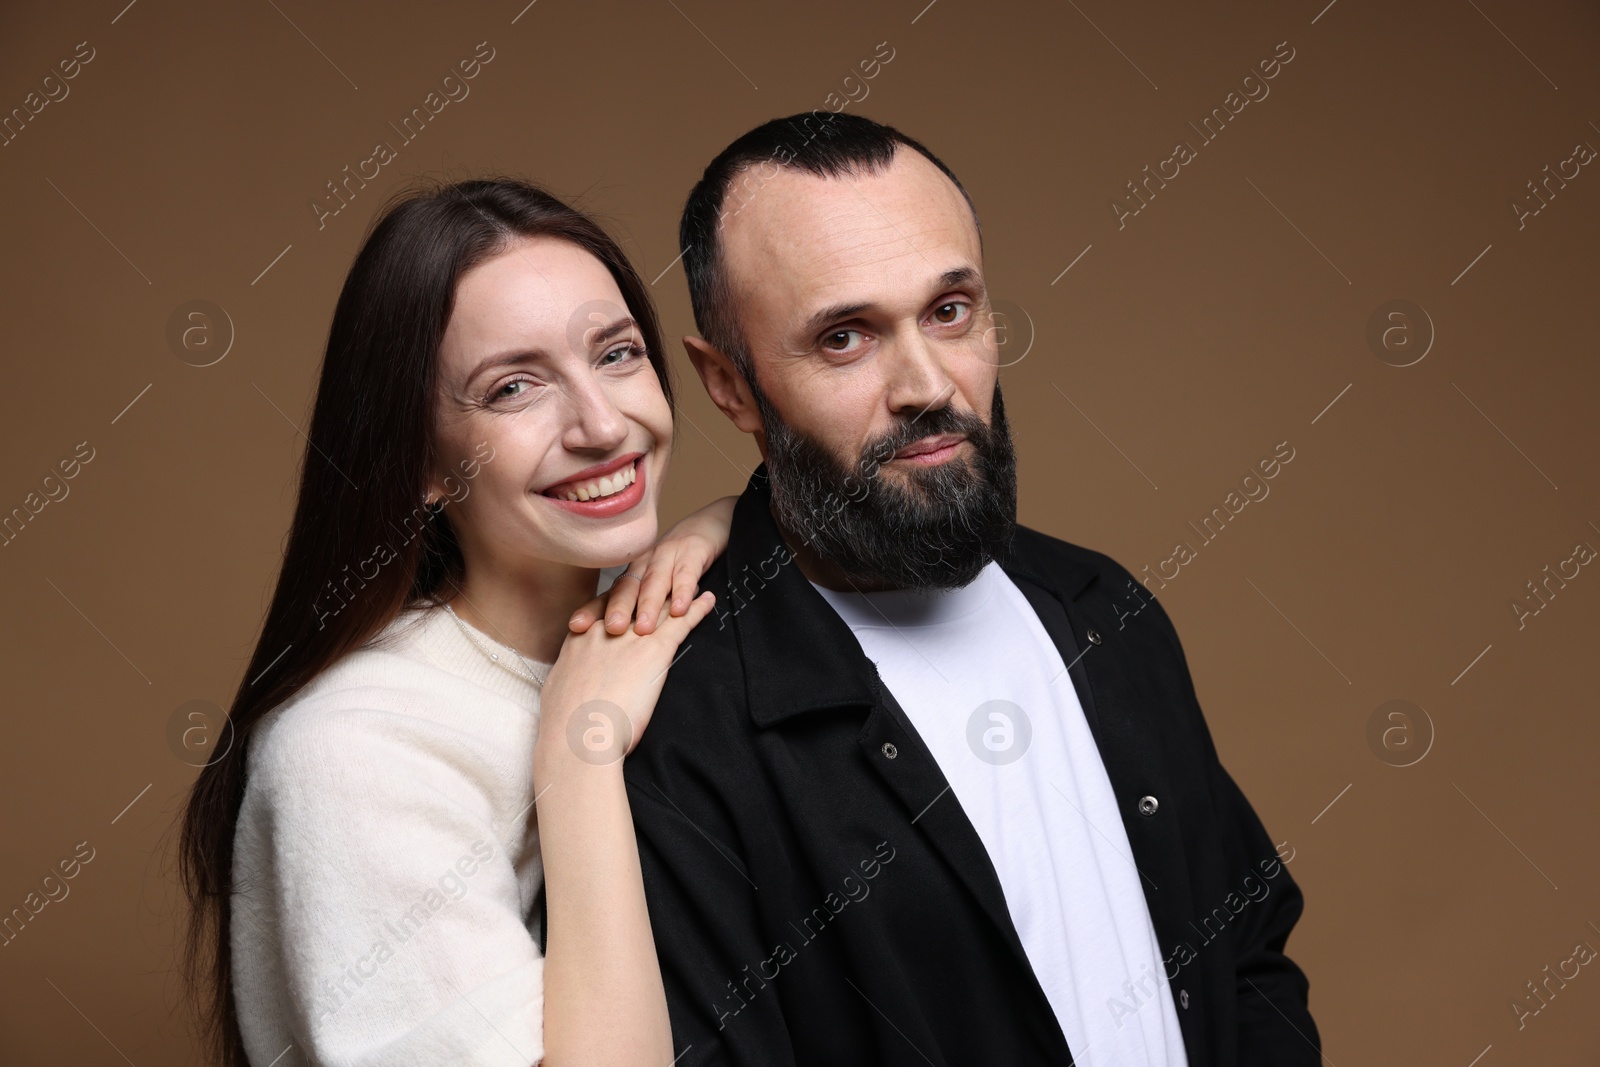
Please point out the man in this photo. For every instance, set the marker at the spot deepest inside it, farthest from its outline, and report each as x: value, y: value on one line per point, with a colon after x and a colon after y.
x: 929, y: 786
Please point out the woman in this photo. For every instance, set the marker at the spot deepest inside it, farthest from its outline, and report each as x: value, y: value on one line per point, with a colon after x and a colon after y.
x: 408, y: 773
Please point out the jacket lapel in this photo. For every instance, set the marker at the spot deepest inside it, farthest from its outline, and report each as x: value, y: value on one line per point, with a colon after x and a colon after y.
x: 1125, y: 727
x: 914, y: 775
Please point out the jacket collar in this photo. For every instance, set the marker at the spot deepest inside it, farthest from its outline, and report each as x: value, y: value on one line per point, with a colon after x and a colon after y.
x: 798, y: 655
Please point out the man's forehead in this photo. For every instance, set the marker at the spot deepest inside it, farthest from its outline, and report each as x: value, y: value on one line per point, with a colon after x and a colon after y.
x: 803, y: 236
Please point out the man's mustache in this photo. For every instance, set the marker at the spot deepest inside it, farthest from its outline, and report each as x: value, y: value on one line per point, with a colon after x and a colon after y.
x: 916, y: 427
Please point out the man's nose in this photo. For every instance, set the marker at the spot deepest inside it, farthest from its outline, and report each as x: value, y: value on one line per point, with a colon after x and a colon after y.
x: 918, y: 378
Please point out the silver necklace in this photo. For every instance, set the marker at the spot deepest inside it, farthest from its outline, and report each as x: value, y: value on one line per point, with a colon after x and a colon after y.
x: 537, y: 677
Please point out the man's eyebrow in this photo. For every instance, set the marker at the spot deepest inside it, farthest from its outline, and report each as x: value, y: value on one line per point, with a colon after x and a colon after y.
x: 830, y: 315
x: 827, y: 316
x: 959, y: 276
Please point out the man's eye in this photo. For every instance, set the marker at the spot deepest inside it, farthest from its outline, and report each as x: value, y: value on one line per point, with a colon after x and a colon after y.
x: 840, y: 340
x: 948, y: 314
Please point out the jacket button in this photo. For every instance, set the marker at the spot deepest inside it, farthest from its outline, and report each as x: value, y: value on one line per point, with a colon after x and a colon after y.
x: 889, y: 751
x: 1148, y: 805
x: 1093, y: 636
x: 1183, y: 999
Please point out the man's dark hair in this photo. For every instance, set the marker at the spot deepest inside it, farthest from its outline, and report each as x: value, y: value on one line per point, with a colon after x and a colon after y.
x: 823, y: 143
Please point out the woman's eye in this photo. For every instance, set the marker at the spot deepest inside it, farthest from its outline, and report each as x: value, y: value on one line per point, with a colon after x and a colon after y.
x: 512, y: 389
x: 840, y: 340
x: 951, y: 313
x: 621, y: 355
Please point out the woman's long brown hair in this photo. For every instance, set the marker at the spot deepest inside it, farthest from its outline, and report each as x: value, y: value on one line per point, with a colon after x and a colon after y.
x: 369, y: 448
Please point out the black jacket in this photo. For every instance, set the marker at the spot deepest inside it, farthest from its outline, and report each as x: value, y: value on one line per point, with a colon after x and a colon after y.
x: 817, y: 894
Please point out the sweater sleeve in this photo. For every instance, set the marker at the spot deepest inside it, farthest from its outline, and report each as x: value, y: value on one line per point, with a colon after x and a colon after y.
x: 368, y: 862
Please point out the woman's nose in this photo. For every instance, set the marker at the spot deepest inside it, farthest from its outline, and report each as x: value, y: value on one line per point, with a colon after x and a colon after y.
x: 596, y: 422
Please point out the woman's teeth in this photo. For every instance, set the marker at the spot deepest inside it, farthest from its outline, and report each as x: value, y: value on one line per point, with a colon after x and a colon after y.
x: 600, y: 487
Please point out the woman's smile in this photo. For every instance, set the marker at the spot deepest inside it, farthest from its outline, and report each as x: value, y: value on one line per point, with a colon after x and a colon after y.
x: 601, y: 491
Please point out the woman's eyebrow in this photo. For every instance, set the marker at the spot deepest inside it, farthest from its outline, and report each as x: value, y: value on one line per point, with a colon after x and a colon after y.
x: 620, y: 326
x: 513, y: 358
x: 519, y: 356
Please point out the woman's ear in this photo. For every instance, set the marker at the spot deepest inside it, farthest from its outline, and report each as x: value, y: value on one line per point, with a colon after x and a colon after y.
x: 432, y: 492
x: 724, y: 384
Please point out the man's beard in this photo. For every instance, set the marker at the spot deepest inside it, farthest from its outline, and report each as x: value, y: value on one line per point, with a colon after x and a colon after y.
x: 927, y: 528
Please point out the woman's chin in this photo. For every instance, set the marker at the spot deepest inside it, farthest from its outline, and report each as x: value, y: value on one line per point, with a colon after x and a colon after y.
x: 589, y: 544
x: 613, y: 548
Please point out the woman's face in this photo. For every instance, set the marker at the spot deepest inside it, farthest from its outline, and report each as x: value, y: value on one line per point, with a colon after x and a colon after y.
x: 552, y: 429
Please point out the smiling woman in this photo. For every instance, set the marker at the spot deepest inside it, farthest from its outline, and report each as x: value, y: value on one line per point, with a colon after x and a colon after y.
x: 562, y: 402
x: 458, y: 691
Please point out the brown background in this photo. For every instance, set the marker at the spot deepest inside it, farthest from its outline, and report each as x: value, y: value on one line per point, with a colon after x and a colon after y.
x: 1223, y: 319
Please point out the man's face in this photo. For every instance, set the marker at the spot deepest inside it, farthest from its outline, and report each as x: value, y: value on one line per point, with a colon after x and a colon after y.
x: 870, y: 338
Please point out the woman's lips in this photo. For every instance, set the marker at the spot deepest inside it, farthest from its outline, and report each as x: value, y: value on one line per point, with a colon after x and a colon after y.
x: 605, y: 506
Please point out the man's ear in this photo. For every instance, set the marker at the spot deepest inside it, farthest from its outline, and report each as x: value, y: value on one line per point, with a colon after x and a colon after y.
x: 724, y: 384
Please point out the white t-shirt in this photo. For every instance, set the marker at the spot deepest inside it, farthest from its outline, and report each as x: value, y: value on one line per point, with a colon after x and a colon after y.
x: 386, y: 861
x: 987, y: 692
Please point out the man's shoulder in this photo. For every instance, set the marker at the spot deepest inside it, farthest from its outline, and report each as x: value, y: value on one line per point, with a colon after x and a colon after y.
x: 1052, y: 557
x: 704, y: 688
x: 1108, y: 594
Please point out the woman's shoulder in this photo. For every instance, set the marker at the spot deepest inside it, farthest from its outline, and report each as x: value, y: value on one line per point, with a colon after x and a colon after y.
x: 410, y: 691
x: 393, y: 667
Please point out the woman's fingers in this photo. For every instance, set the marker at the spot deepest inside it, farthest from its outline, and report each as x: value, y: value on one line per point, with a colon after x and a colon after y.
x: 700, y: 607
x: 585, y: 616
x: 677, y: 627
x: 653, y: 593
x: 685, y: 581
x: 680, y: 585
x: 620, y: 601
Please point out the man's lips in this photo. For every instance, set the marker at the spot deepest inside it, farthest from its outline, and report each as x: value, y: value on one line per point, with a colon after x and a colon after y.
x: 932, y: 450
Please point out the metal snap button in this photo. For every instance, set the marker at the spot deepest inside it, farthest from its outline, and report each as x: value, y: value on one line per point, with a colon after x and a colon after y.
x: 1183, y: 998
x: 1093, y: 636
x: 889, y: 751
x: 1148, y: 805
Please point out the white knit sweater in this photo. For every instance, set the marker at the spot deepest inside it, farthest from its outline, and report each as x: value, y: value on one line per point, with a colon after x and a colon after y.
x: 386, y: 861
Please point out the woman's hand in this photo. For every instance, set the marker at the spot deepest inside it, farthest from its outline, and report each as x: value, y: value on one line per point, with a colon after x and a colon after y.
x: 672, y: 566
x: 599, y: 673
x: 604, y: 1000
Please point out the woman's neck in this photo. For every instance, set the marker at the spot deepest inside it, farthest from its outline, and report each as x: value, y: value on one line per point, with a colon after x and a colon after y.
x: 528, y: 611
